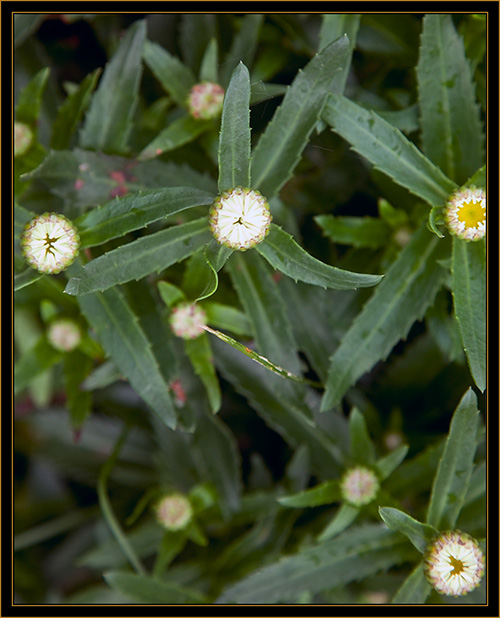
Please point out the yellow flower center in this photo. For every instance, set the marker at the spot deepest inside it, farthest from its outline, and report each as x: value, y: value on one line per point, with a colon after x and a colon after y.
x: 472, y: 213
x: 458, y: 566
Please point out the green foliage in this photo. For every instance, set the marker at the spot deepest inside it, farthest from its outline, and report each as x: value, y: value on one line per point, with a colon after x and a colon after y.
x: 353, y: 334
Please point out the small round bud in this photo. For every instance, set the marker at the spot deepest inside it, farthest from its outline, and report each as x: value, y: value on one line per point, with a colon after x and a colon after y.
x: 187, y: 320
x: 174, y: 512
x: 23, y: 138
x: 465, y: 213
x: 359, y: 486
x: 205, y: 100
x: 240, y: 218
x: 454, y: 563
x: 50, y: 243
x: 64, y: 334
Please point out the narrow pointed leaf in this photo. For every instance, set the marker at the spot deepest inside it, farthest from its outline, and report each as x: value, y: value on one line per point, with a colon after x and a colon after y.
x: 280, y: 147
x: 419, y: 534
x: 200, y: 355
x: 407, y: 290
x: 387, y: 149
x: 455, y: 467
x: 30, y: 99
x: 176, y: 78
x: 170, y: 293
x: 27, y: 277
x: 452, y: 135
x: 325, y: 493
x: 76, y: 368
x: 216, y: 256
x: 243, y: 46
x: 131, y: 212
x: 356, y: 231
x: 210, y: 62
x: 109, y: 120
x: 333, y: 26
x: 468, y: 276
x: 234, y: 141
x: 362, y: 449
x: 139, y: 258
x: 182, y: 131
x: 228, y: 318
x: 146, y: 590
x: 342, y: 520
x: 34, y: 362
x: 284, y: 254
x: 125, y: 342
x: 415, y: 589
x: 386, y: 465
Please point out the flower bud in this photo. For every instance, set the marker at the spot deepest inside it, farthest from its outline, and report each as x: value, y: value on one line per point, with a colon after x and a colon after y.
x: 359, y: 486
x: 23, y: 138
x: 187, y: 320
x: 174, y: 512
x: 205, y: 100
x: 64, y: 334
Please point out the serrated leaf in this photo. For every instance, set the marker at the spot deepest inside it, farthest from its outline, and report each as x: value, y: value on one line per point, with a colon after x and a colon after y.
x: 181, y: 131
x: 147, y: 590
x: 109, y: 120
x: 468, y: 280
x: 387, y: 149
x: 362, y: 448
x: 333, y: 26
x: 280, y: 146
x: 125, y: 342
x: 407, y: 290
x: 356, y: 231
x: 30, y: 99
x: 455, y: 467
x: 175, y: 77
x: 34, y: 362
x: 284, y: 254
x: 343, y: 518
x: 139, y: 258
x: 419, y: 534
x: 325, y: 493
x: 200, y: 355
x: 450, y: 117
x: 415, y: 589
x: 121, y: 216
x: 71, y: 111
x: 243, y: 46
x: 234, y: 141
x: 354, y: 555
x: 386, y: 465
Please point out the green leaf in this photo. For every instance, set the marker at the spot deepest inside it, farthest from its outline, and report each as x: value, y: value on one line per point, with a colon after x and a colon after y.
x: 468, y: 280
x: 27, y: 277
x: 121, y: 216
x: 228, y: 318
x: 284, y: 254
x: 407, y: 290
x: 176, y: 78
x: 280, y: 147
x: 234, y: 141
x: 362, y: 449
x: 30, y: 99
x: 200, y: 355
x: 125, y: 342
x: 170, y: 293
x: 76, y: 368
x: 24, y: 25
x: 354, y: 555
x: 71, y: 111
x: 147, y: 590
x: 109, y: 120
x: 139, y: 258
x: 196, y: 30
x: 452, y: 135
x: 243, y: 46
x: 182, y: 131
x: 415, y: 589
x: 325, y: 493
x: 171, y: 545
x: 419, y: 534
x: 210, y: 62
x: 366, y: 232
x: 33, y: 362
x: 333, y: 26
x: 455, y: 467
x: 342, y: 520
x: 386, y: 465
x: 387, y: 149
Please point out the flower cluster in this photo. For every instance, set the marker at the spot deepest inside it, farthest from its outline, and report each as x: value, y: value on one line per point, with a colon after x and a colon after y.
x: 64, y: 334
x: 454, y: 563
x: 174, y: 512
x: 465, y: 213
x: 205, y: 100
x: 359, y: 486
x: 50, y: 243
x: 187, y: 320
x: 240, y: 218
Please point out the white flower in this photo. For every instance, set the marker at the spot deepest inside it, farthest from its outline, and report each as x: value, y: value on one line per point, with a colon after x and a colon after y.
x: 454, y: 563
x: 23, y: 137
x: 174, y: 512
x: 465, y: 213
x: 205, y: 100
x: 240, y: 218
x: 64, y: 334
x: 359, y: 486
x: 187, y: 320
x: 50, y: 243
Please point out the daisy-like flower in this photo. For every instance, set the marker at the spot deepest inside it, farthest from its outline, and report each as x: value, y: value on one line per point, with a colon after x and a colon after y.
x: 50, y: 243
x: 240, y: 218
x: 174, y: 511
x: 359, y: 486
x: 465, y: 213
x: 64, y: 334
x: 205, y: 100
x: 454, y: 563
x: 23, y: 138
x: 187, y: 320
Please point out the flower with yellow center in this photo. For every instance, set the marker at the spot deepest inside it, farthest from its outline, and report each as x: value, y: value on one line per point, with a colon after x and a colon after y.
x: 359, y: 486
x: 465, y: 213
x: 174, y: 512
x: 454, y: 563
x: 50, y: 243
x: 240, y: 218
